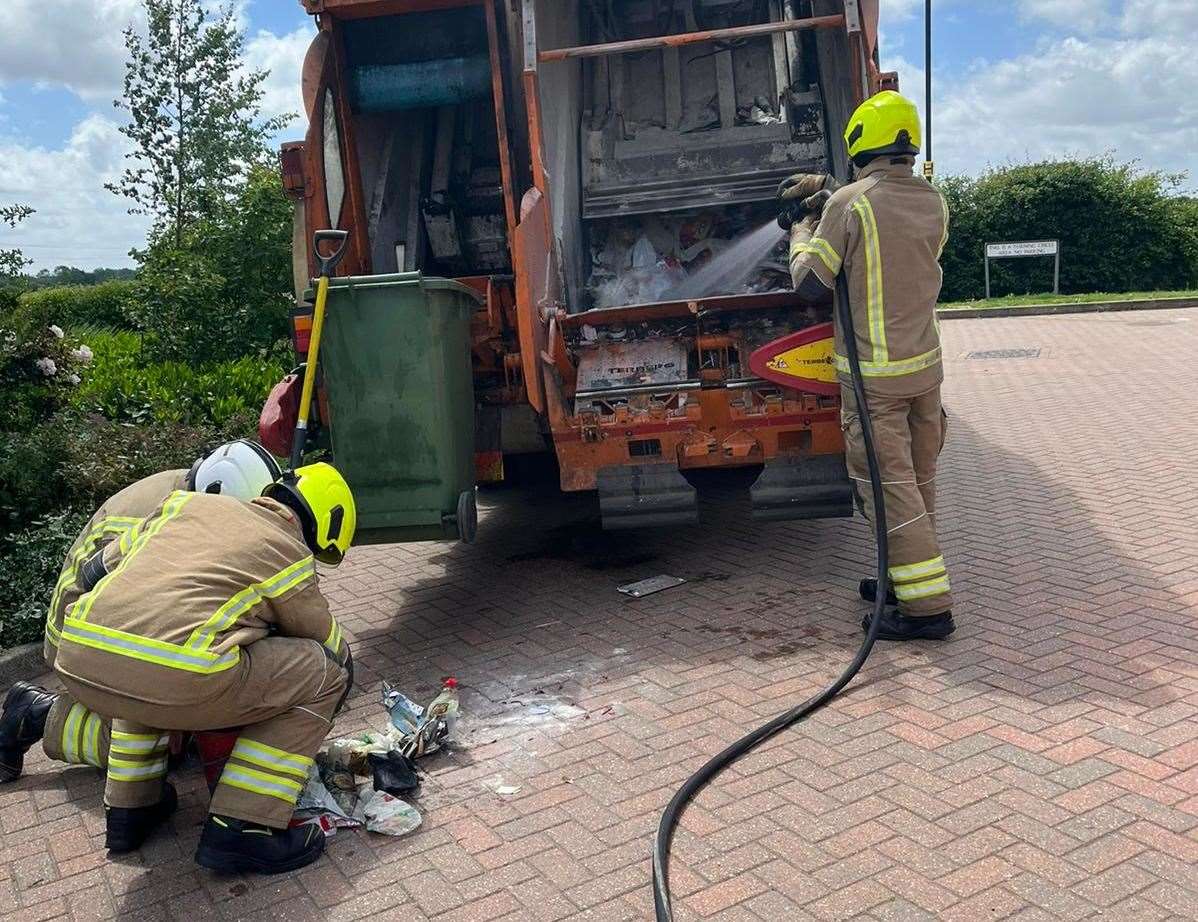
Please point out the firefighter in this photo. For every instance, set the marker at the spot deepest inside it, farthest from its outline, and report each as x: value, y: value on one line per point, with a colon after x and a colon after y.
x: 68, y: 731
x: 885, y: 231
x: 207, y: 615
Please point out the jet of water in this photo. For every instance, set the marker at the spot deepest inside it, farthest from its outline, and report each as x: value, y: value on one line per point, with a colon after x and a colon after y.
x: 728, y: 271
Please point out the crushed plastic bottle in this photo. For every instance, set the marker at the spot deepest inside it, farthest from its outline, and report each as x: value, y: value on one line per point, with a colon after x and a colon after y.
x: 446, y: 706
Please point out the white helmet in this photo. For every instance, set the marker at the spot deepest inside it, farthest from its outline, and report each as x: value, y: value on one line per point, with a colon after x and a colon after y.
x: 242, y: 469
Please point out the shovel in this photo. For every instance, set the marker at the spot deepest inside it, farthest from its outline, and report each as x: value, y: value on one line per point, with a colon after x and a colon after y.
x: 327, y: 265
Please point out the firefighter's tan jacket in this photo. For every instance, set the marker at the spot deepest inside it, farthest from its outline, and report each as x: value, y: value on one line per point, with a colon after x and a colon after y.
x: 887, y: 229
x: 192, y: 584
x: 118, y: 515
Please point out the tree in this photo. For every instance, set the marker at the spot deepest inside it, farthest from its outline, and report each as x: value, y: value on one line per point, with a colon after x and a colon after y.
x: 225, y: 292
x: 12, y: 262
x: 195, y: 114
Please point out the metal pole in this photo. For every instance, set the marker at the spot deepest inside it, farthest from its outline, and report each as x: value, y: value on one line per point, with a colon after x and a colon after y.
x: 987, y: 262
x: 927, y: 79
x: 1056, y: 272
x: 691, y: 38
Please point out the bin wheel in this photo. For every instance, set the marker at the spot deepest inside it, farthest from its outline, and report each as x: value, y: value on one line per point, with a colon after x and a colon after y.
x: 467, y: 517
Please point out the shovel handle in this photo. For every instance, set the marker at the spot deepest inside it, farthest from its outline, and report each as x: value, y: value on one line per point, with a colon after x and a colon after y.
x: 328, y: 264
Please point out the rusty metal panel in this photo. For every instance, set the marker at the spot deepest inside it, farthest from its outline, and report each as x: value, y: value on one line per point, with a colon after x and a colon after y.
x: 633, y: 364
x: 533, y: 272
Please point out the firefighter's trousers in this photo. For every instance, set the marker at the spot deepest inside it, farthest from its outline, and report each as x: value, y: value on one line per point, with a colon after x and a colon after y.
x: 283, y: 693
x: 908, y: 436
x: 76, y: 735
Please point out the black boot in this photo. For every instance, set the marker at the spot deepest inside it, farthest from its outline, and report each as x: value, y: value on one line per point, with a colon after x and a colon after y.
x: 233, y: 845
x: 22, y: 725
x: 899, y: 627
x: 868, y: 590
x: 129, y: 827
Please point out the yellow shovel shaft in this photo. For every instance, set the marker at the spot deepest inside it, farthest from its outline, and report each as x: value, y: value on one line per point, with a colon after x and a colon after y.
x: 322, y: 297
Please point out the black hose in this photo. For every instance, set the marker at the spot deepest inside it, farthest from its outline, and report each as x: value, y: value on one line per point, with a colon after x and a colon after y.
x: 701, y: 778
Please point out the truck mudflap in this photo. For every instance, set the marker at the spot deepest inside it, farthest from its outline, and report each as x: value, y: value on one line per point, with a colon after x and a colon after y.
x: 814, y: 487
x: 645, y: 495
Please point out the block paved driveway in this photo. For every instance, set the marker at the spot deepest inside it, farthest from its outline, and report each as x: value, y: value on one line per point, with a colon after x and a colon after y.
x: 1038, y: 766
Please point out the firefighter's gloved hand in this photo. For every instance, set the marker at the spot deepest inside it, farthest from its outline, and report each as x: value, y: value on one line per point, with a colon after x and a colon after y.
x: 348, y: 666
x: 813, y: 207
x: 797, y: 191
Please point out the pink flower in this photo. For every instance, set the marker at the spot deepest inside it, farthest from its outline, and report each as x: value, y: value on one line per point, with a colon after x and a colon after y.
x: 47, y: 367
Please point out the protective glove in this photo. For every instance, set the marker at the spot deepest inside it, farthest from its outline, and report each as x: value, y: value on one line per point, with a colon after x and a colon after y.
x: 802, y: 194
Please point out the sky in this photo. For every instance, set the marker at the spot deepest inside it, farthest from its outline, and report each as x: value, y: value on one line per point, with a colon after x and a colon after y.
x: 1013, y: 80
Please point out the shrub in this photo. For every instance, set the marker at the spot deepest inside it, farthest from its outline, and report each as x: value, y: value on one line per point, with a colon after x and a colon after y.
x: 39, y: 371
x: 31, y: 561
x: 102, y: 305
x: 123, y: 386
x: 1121, y: 228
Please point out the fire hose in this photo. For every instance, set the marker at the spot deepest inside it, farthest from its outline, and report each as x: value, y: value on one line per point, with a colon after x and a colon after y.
x: 705, y: 775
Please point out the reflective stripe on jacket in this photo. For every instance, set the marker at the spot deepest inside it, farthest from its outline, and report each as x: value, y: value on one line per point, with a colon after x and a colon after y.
x: 190, y: 585
x: 887, y: 230
x: 119, y: 514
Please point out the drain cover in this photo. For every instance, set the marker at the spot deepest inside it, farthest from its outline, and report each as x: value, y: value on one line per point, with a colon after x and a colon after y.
x: 1005, y: 354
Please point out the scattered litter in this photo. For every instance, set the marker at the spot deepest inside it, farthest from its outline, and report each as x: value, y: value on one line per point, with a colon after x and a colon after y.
x: 421, y: 731
x: 644, y: 278
x: 394, y: 773
x: 649, y: 586
x: 317, y: 804
x: 382, y: 813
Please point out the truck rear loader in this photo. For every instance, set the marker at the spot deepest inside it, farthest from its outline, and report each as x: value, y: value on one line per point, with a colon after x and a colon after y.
x: 531, y: 190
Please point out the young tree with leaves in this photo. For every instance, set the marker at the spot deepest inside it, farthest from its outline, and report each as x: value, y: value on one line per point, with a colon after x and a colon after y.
x: 13, y: 262
x: 195, y: 115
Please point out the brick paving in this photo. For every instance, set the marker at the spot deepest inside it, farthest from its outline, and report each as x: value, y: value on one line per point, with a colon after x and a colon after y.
x: 1040, y: 765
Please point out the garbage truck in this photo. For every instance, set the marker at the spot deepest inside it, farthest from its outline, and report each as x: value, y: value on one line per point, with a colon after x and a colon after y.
x: 544, y: 201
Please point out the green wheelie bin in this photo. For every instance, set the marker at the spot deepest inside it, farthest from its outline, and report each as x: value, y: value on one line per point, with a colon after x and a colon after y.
x: 395, y: 360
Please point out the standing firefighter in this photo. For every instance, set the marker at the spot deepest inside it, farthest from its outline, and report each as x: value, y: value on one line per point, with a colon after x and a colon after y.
x: 207, y: 615
x: 886, y: 232
x: 70, y: 732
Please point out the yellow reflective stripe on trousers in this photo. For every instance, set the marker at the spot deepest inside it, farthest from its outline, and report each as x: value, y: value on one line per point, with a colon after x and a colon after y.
x: 893, y: 369
x: 333, y: 641
x: 226, y: 616
x: 91, y: 740
x: 138, y: 743
x: 909, y: 592
x: 71, y: 731
x: 910, y: 571
x: 256, y: 782
x: 114, y: 524
x: 873, y: 279
x: 172, y: 508
x: 268, y: 757
x: 127, y: 770
x: 146, y: 649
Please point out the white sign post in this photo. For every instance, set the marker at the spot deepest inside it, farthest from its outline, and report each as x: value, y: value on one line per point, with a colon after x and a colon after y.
x: 1026, y: 248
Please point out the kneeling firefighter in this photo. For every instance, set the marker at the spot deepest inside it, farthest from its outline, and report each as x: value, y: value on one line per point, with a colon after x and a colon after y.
x: 70, y: 732
x: 885, y: 231
x: 207, y: 615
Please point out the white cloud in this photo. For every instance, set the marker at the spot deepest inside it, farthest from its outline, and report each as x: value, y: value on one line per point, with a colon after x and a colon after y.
x: 78, y: 44
x: 283, y: 56
x: 1084, y: 16
x: 1074, y: 96
x: 78, y: 221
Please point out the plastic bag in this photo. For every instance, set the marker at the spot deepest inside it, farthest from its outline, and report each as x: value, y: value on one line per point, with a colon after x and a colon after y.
x: 385, y: 814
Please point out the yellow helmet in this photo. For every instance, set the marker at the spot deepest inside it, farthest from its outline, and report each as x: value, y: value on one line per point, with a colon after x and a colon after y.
x: 322, y: 499
x: 884, y: 124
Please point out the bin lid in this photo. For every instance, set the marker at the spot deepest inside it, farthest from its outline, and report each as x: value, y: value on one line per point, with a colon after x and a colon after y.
x: 398, y: 280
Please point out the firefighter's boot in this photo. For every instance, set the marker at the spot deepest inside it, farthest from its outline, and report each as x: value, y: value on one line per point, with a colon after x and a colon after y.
x: 868, y: 590
x: 22, y: 725
x: 896, y: 626
x: 233, y: 845
x: 129, y: 827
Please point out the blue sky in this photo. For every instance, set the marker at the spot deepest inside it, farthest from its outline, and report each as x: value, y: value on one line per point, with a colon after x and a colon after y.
x: 1014, y: 79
